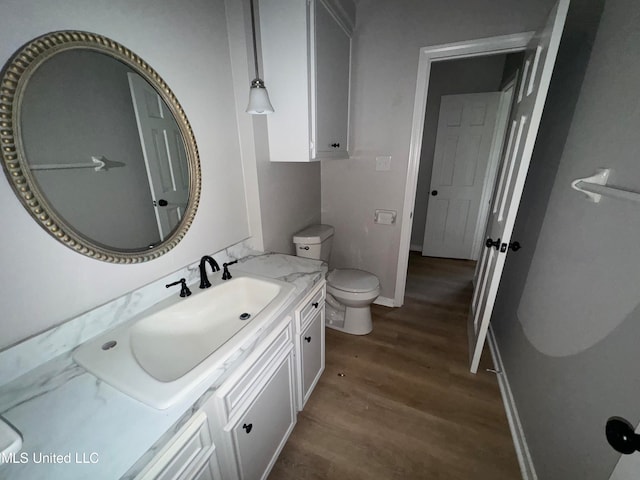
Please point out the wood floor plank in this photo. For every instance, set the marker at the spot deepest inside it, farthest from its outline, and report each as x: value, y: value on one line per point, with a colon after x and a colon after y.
x: 400, y: 403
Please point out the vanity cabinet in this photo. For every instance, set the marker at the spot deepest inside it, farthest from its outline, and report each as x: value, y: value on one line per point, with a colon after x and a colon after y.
x: 306, y: 52
x: 310, y: 339
x: 254, y: 409
x: 251, y: 415
x: 189, y: 455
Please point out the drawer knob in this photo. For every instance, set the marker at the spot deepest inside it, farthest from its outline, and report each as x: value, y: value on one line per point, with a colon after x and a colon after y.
x: 247, y: 427
x: 308, y: 339
x: 315, y: 304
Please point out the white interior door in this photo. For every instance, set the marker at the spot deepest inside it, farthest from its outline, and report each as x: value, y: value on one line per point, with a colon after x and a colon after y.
x: 540, y: 57
x: 164, y: 155
x: 466, y: 124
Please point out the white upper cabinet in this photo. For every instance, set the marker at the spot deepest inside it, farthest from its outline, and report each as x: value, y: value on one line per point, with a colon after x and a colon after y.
x: 306, y: 52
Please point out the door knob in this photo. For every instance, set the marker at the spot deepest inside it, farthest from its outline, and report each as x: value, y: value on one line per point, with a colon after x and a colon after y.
x: 434, y: 193
x: 515, y: 246
x: 621, y: 436
x: 247, y: 427
x: 491, y: 243
x: 162, y: 202
x: 308, y: 339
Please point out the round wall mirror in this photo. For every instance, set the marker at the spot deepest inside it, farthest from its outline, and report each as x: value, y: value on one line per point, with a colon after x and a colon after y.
x: 97, y: 147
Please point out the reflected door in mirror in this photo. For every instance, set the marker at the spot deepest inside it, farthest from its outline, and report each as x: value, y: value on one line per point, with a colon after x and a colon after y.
x: 164, y: 155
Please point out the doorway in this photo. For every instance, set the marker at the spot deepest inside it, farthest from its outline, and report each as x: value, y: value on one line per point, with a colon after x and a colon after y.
x: 429, y: 56
x: 468, y: 105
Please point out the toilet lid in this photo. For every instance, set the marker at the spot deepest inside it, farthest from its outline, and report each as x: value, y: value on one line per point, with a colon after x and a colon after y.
x: 351, y: 280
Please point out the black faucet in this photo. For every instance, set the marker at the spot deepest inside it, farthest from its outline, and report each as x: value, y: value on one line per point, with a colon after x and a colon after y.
x: 204, y: 280
x: 226, y: 275
x: 184, y: 290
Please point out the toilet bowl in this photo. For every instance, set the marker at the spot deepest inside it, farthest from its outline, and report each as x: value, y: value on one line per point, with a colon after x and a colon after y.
x: 350, y: 292
x: 354, y: 291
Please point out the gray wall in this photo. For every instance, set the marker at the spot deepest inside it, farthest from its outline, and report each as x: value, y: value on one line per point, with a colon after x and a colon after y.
x: 472, y: 75
x: 78, y: 105
x: 386, y: 47
x: 289, y: 195
x: 568, y: 317
x: 187, y: 44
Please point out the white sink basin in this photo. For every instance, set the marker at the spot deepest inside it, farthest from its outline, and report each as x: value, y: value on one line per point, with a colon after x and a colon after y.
x: 182, y: 344
x: 169, y: 343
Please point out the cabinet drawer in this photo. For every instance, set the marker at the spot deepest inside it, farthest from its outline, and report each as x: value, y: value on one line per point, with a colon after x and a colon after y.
x: 207, y: 472
x: 190, y: 449
x: 310, y: 307
x: 259, y: 435
x: 252, y: 378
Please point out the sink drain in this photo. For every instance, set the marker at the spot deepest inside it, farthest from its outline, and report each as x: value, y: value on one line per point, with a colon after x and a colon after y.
x: 244, y: 316
x: 109, y: 345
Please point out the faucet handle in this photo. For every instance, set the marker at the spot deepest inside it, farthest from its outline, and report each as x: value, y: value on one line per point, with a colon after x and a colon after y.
x: 184, y: 290
x: 226, y: 275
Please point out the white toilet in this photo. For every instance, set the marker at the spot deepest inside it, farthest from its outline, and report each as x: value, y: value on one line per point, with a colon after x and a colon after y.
x: 350, y: 292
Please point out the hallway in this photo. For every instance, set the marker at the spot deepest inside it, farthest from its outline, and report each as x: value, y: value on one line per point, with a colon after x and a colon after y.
x: 400, y: 403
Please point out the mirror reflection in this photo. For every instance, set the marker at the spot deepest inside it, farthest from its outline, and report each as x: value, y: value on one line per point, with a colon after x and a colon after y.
x: 104, y: 150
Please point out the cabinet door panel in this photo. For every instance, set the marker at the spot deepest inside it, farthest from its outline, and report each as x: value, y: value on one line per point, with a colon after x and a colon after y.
x: 259, y: 435
x: 284, y: 31
x: 333, y: 52
x: 312, y: 346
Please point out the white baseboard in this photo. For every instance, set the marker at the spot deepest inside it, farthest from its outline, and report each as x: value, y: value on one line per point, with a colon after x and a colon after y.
x: 517, y: 433
x: 385, y: 302
x: 415, y: 248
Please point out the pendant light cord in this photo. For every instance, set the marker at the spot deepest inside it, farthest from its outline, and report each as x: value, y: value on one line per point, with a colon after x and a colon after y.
x: 253, y: 31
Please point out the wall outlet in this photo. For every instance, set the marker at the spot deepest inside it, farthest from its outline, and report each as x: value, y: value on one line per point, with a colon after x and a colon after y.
x: 383, y: 164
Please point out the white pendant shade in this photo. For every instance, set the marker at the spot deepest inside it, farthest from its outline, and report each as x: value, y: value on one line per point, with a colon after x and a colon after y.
x: 259, y: 103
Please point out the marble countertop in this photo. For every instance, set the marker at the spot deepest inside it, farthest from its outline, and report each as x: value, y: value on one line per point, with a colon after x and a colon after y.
x: 75, y: 426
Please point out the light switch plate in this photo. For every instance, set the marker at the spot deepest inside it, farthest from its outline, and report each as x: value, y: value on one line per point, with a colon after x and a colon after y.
x: 385, y: 217
x: 383, y: 164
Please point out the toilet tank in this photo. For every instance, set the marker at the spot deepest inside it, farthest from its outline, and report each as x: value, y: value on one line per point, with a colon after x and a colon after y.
x: 314, y: 242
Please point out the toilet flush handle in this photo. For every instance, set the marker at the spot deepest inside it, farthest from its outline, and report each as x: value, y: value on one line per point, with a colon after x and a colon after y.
x: 306, y: 247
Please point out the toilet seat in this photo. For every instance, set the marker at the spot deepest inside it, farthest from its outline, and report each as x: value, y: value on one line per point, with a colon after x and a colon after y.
x: 352, y: 280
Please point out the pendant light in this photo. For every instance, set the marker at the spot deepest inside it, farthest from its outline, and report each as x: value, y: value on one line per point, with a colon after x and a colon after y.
x: 259, y: 103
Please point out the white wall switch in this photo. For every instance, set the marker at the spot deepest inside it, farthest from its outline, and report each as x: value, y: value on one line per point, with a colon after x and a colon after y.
x: 383, y: 163
x: 385, y: 217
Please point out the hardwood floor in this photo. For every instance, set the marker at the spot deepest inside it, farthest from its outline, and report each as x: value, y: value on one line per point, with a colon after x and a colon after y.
x: 400, y: 402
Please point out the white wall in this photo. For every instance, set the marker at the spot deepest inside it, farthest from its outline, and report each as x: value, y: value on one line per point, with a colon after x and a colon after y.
x: 46, y: 283
x: 386, y: 46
